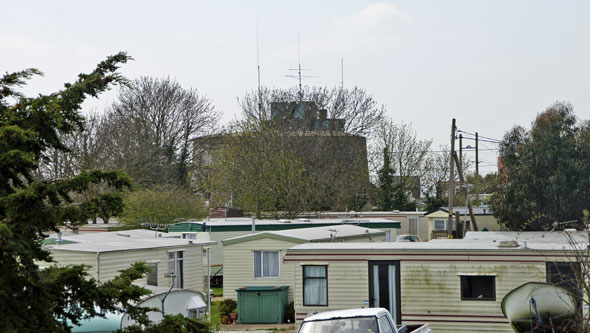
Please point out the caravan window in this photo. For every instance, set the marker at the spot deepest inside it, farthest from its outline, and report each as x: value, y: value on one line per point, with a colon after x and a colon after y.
x: 266, y: 264
x: 440, y: 225
x: 565, y: 275
x: 478, y: 288
x: 152, y: 275
x: 176, y: 267
x: 315, y: 285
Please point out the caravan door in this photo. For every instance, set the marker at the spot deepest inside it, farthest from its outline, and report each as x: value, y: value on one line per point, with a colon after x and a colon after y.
x: 384, y: 287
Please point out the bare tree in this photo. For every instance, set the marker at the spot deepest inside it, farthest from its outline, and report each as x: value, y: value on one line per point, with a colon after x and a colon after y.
x: 151, y: 127
x: 285, y: 167
x: 85, y: 149
x: 408, y: 154
x: 572, y: 274
x: 261, y: 171
x: 436, y: 173
x: 357, y: 107
x: 271, y: 170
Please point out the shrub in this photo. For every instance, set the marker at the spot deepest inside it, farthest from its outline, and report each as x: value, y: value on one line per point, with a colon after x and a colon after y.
x: 227, y: 306
x: 162, y: 206
x: 290, y: 313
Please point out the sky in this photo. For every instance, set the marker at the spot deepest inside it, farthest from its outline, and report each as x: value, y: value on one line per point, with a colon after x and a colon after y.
x: 491, y: 65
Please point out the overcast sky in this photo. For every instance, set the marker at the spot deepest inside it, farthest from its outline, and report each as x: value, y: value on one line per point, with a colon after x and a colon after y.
x: 489, y: 64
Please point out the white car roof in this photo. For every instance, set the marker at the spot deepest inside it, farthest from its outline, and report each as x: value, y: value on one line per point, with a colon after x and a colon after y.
x: 349, y: 313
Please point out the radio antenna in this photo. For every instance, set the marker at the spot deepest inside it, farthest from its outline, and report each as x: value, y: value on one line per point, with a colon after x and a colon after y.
x: 299, y: 76
x: 258, y: 66
x: 342, y: 72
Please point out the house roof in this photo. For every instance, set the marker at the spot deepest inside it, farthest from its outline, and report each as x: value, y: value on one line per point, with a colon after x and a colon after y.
x: 121, y: 241
x: 245, y: 224
x: 474, y: 241
x: 477, y: 210
x: 308, y: 234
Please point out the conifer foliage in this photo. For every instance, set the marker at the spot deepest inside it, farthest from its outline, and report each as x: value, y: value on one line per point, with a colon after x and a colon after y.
x: 31, y: 299
x: 386, y: 186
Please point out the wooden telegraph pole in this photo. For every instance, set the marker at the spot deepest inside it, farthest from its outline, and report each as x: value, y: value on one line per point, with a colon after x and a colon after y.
x: 460, y: 172
x: 460, y: 163
x: 451, y: 181
x: 476, y: 168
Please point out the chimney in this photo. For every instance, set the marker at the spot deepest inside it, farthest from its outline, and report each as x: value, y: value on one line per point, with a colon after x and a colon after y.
x: 323, y: 114
x: 253, y: 224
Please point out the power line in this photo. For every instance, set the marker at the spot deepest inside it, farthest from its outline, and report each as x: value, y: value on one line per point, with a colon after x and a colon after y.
x: 481, y: 140
x: 480, y: 136
x: 473, y: 148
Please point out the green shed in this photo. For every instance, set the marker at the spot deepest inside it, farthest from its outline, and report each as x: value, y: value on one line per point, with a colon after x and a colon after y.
x: 262, y: 305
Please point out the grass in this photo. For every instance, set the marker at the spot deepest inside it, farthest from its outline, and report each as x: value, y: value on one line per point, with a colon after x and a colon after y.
x: 217, y: 292
x: 281, y: 329
x: 215, y: 315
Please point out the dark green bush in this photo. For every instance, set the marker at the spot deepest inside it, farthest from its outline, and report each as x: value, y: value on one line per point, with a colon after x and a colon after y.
x: 290, y: 313
x: 227, y: 306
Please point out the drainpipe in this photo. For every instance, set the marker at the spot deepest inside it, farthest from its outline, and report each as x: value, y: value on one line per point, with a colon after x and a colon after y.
x: 209, y: 283
x: 98, y: 266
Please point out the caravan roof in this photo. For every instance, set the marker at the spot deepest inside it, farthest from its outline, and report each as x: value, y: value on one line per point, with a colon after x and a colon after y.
x: 121, y: 241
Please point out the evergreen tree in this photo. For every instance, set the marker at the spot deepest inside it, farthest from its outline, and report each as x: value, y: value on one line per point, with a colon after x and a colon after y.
x: 385, y: 186
x: 401, y: 199
x: 434, y: 203
x: 34, y: 300
x: 546, y: 172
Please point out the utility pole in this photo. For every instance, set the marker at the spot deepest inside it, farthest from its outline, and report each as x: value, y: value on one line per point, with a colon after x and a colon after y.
x: 460, y: 154
x: 477, y: 168
x: 451, y: 181
x: 460, y: 173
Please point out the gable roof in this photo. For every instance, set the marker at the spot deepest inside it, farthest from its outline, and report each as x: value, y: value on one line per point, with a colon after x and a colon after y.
x: 305, y: 235
x: 478, y: 210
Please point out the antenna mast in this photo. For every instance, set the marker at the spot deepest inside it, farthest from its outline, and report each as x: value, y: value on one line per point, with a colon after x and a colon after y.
x: 299, y: 70
x: 342, y: 72
x: 258, y: 65
x: 299, y: 61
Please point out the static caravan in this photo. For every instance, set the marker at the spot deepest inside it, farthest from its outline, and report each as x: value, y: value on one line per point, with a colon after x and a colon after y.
x: 438, y: 219
x: 109, y: 252
x: 221, y: 229
x: 255, y: 260
x: 454, y: 285
x: 411, y: 222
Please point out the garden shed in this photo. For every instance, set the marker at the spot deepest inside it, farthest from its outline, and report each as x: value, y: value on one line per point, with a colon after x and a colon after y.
x: 262, y: 305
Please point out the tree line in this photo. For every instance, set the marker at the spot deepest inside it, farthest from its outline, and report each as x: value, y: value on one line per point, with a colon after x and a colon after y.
x: 159, y: 134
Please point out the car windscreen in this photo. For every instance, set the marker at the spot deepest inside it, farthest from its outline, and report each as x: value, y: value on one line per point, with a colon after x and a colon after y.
x: 341, y: 325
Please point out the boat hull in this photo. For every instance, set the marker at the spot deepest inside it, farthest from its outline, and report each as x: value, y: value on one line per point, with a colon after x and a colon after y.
x: 552, y: 302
